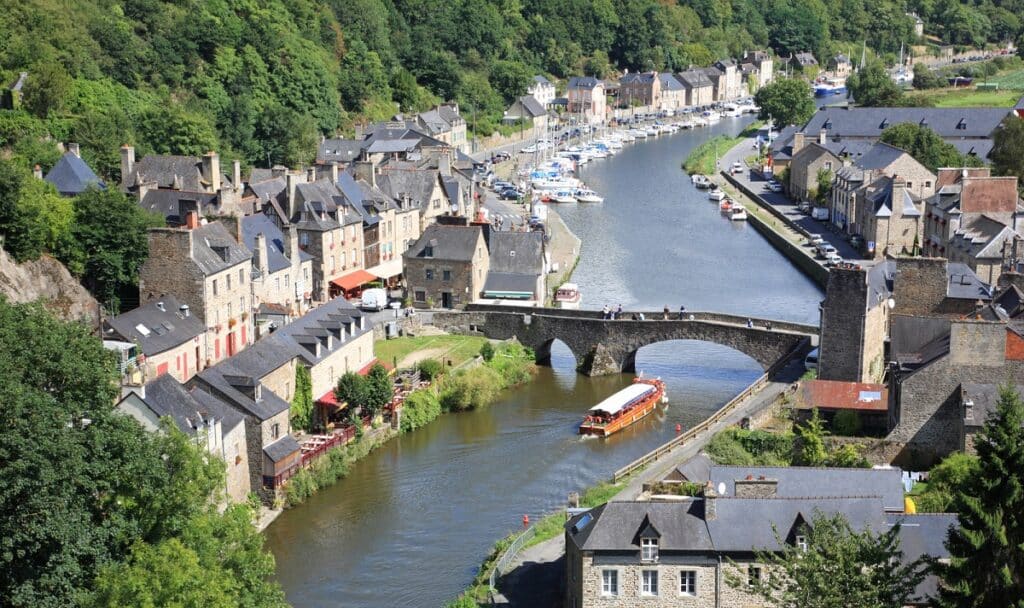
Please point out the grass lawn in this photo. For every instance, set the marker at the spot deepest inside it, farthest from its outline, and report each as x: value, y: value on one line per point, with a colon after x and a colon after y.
x: 702, y: 159
x: 968, y: 98
x: 456, y: 348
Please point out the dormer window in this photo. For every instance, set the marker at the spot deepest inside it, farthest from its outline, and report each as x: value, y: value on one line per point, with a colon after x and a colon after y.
x: 801, y: 543
x: 648, y: 549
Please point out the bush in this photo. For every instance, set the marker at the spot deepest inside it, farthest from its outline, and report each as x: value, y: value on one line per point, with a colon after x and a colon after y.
x: 420, y: 408
x: 487, y: 352
x: 514, y: 363
x: 430, y: 369
x: 848, y: 456
x: 735, y: 446
x: 846, y: 423
x: 470, y: 389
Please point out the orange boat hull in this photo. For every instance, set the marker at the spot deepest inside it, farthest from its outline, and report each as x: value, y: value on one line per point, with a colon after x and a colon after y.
x: 634, y: 414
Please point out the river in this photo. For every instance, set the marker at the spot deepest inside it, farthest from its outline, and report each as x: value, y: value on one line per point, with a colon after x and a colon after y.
x: 413, y: 520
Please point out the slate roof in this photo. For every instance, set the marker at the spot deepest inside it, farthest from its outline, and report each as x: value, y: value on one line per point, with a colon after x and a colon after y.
x: 277, y: 257
x: 417, y: 184
x: 880, y: 282
x: 339, y: 150
x: 169, y: 172
x: 173, y: 204
x: 670, y: 83
x: 269, y: 189
x: 923, y: 534
x: 452, y: 243
x: 870, y: 122
x: 510, y: 282
x: 795, y: 482
x: 782, y: 145
x: 541, y: 79
x: 164, y: 329
x: 615, y: 526
x: 883, y: 195
x: 638, y: 78
x: 281, y: 449
x: 742, y: 525
x: 452, y: 189
x: 693, y: 79
x: 982, y: 237
x: 71, y: 175
x: 532, y: 107
x: 191, y: 409
x: 964, y: 284
x: 392, y: 146
x: 214, y: 249
x: 985, y: 398
x: 517, y: 252
x: 583, y: 82
x: 805, y: 59
x: 696, y: 469
x: 879, y: 156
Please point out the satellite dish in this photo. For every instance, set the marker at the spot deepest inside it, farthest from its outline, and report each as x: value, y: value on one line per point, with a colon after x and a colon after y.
x: 721, y: 488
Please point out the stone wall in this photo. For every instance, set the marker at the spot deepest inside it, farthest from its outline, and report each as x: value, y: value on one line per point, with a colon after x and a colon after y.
x: 920, y: 286
x: 353, y: 356
x: 432, y: 290
x: 170, y: 270
x: 236, y: 457
x: 843, y: 320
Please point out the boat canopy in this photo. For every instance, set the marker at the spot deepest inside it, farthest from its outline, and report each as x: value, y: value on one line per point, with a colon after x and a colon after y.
x: 621, y: 399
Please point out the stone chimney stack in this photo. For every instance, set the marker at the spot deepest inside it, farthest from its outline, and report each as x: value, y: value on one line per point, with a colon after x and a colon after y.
x: 366, y: 171
x: 260, y: 254
x: 710, y: 498
x: 191, y: 220
x: 37, y: 171
x: 798, y: 142
x: 444, y: 163
x: 127, y: 163
x: 291, y: 237
x: 822, y: 136
x: 73, y: 148
x: 293, y: 182
x: 334, y: 172
x: 311, y: 175
x: 236, y: 175
x: 211, y: 171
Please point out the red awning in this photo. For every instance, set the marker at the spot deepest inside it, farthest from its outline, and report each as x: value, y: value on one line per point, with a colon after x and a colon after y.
x: 328, y: 399
x: 353, y: 280
x: 366, y: 368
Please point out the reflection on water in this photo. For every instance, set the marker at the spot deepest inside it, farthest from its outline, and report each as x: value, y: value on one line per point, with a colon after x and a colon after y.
x: 414, y: 519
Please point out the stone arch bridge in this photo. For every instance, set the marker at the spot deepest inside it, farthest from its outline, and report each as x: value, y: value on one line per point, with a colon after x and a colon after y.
x: 603, y: 346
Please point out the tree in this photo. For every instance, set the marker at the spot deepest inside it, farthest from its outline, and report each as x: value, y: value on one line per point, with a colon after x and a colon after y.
x: 824, y: 189
x: 352, y: 389
x: 107, y: 243
x: 487, y: 351
x: 510, y: 79
x: 1008, y: 147
x: 986, y: 551
x: 945, y: 481
x: 786, y: 101
x: 810, y: 444
x: 924, y: 145
x: 302, y: 402
x: 872, y: 86
x: 171, y: 129
x: 839, y: 567
x: 926, y: 78
x: 46, y: 88
x: 379, y: 389
x: 33, y: 216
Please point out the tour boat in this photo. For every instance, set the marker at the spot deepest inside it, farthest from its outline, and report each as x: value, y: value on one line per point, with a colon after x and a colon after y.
x: 623, y: 408
x: 716, y: 194
x: 830, y: 86
x: 738, y: 213
x: 568, y: 296
x: 588, y: 196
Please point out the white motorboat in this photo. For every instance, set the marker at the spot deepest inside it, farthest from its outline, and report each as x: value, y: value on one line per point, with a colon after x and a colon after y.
x: 732, y: 110
x: 716, y: 194
x: 738, y: 213
x: 701, y: 181
x: 588, y: 196
x: 568, y: 296
x: 563, y: 196
x: 711, y: 117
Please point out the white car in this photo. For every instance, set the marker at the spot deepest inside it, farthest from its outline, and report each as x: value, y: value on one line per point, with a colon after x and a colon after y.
x: 529, y: 149
x: 775, y: 186
x: 737, y: 167
x: 833, y: 259
x: 815, y: 240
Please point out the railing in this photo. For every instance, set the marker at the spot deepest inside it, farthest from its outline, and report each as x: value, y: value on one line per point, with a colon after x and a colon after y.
x: 712, y: 420
x: 507, y: 557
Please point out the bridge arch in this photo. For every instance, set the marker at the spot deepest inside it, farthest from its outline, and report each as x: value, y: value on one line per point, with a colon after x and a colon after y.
x: 543, y: 352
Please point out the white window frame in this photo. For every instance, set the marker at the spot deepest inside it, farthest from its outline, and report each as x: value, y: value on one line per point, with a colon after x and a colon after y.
x: 648, y: 549
x: 649, y: 583
x: 609, y: 588
x: 682, y: 578
x: 801, y: 542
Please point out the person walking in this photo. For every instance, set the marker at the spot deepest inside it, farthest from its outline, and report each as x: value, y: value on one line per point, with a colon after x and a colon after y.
x: 768, y: 325
x: 618, y: 313
x: 665, y: 313
x: 750, y: 324
x: 682, y: 312
x: 605, y: 312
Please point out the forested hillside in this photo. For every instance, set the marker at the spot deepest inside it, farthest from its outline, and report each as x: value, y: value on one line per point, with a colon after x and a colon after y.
x: 262, y: 79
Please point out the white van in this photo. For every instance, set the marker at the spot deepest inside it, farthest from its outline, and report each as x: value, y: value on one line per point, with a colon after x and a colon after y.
x: 811, y: 361
x: 374, y: 299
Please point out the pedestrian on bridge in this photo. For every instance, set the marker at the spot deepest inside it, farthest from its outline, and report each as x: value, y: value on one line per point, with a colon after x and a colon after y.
x: 682, y: 312
x: 606, y: 312
x: 750, y: 324
x: 768, y: 325
x: 618, y: 313
x: 666, y: 313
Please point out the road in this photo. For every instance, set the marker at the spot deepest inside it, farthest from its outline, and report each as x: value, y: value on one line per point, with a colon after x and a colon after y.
x: 758, y: 183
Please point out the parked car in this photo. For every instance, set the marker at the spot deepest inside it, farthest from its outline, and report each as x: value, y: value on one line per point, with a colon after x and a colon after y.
x: 737, y: 167
x: 804, y: 207
x: 501, y: 184
x: 774, y: 186
x: 509, y: 194
x: 825, y: 250
x: 374, y: 299
x: 500, y: 156
x: 856, y: 241
x: 816, y: 240
x: 820, y: 214
x: 811, y: 361
x: 833, y: 259
x: 529, y: 149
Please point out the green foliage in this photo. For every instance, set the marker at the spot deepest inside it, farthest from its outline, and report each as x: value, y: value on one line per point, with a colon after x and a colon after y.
x: 925, y: 78
x: 379, y: 389
x: 840, y: 567
x: 945, y: 481
x: 487, y: 352
x: 810, y: 445
x: 872, y: 86
x: 786, y: 101
x: 302, y: 403
x: 823, y: 191
x: 848, y: 456
x: 106, y: 244
x: 987, y: 549
x: 331, y: 467
x: 925, y: 146
x: 735, y: 446
x: 420, y: 408
x: 846, y: 423
x: 1008, y: 148
x: 33, y: 217
x: 351, y: 389
x: 88, y: 493
x: 430, y: 369
x: 46, y: 88
x: 467, y: 390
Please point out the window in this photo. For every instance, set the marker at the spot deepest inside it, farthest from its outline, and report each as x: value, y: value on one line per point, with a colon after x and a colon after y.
x: 287, y: 279
x: 277, y: 283
x: 649, y: 549
x: 753, y: 575
x: 609, y: 582
x: 927, y: 184
x: 910, y: 185
x: 429, y: 272
x: 437, y: 203
x: 305, y: 273
x: 227, y: 279
x: 801, y: 542
x: 420, y: 295
x: 275, y: 430
x: 688, y: 582
x: 215, y: 287
x: 828, y: 165
x: 229, y: 310
x: 343, y: 258
x: 446, y: 275
x: 241, y: 276
x: 304, y: 239
x: 241, y: 305
x: 649, y: 584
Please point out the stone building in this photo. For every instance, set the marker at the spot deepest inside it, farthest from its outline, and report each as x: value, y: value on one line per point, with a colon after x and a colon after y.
x: 673, y: 93
x: 518, y: 265
x: 890, y: 218
x: 805, y: 62
x: 445, y: 124
x: 526, y: 108
x: 282, y: 272
x: 682, y: 552
x: 166, y: 336
x: 840, y: 66
x: 975, y: 219
x: 640, y: 89
x: 208, y: 269
x: 731, y: 84
x: 542, y: 90
x: 807, y: 162
x: 447, y: 267
x: 854, y: 324
x: 700, y: 91
x: 761, y: 69
x: 586, y: 98
x: 421, y: 188
x: 206, y: 419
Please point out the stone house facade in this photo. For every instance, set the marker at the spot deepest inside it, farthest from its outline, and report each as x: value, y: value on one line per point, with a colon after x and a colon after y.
x: 640, y: 89
x: 804, y: 168
x: 673, y: 93
x: 586, y: 97
x: 542, y: 90
x: 208, y: 269
x: 700, y: 91
x: 731, y: 84
x: 447, y: 267
x: 854, y: 324
x: 168, y: 338
x: 174, y: 185
x: 282, y: 271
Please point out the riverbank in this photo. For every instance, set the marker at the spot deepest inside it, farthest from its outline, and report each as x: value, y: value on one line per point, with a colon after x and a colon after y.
x: 564, y: 247
x: 704, y: 158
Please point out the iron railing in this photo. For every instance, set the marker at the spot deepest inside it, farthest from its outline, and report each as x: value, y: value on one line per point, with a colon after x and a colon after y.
x: 507, y: 557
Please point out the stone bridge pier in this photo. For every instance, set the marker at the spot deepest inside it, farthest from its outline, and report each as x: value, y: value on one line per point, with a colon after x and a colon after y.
x: 602, y: 347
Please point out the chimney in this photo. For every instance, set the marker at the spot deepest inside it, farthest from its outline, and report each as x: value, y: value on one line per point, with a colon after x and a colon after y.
x: 798, y: 142
x: 293, y: 181
x: 444, y: 163
x: 311, y: 175
x: 710, y: 497
x: 191, y: 220
x: 260, y: 254
x: 211, y: 171
x: 127, y: 163
x: 73, y: 148
x: 822, y: 136
x: 37, y: 171
x: 334, y: 172
x: 366, y: 171
x: 292, y: 244
x: 185, y: 311
x: 756, y: 488
x: 236, y: 175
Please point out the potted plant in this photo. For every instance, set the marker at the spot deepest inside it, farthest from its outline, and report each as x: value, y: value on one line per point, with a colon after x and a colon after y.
x: 232, y: 322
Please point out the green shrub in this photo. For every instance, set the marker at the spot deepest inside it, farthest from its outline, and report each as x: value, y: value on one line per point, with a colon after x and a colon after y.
x: 487, y: 352
x: 470, y: 389
x: 420, y: 408
x: 846, y: 423
x: 429, y: 369
x: 848, y: 456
